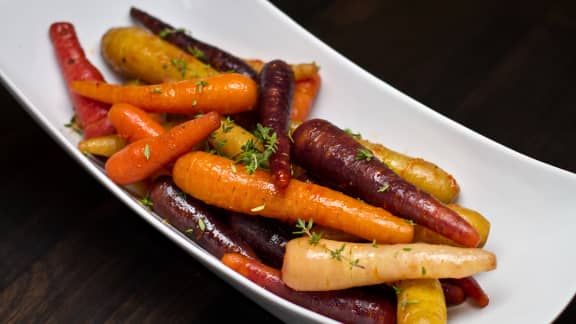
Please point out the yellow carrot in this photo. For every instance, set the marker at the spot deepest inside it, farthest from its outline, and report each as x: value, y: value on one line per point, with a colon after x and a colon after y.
x: 420, y: 301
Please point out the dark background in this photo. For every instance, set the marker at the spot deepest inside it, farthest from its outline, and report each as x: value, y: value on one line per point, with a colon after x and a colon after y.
x: 71, y: 252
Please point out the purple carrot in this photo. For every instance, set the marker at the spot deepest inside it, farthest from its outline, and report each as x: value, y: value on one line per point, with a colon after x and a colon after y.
x: 212, y: 55
x: 276, y: 94
x: 333, y: 156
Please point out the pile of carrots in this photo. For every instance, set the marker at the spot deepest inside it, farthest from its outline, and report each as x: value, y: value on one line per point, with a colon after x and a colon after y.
x: 225, y: 151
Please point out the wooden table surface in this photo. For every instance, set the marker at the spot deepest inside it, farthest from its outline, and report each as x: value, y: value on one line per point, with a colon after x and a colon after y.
x: 70, y: 252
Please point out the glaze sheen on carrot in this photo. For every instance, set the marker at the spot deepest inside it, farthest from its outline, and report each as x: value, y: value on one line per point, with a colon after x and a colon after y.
x: 216, y: 57
x: 329, y: 265
x: 227, y: 93
x: 201, y: 223
x: 132, y: 123
x: 335, y: 157
x: 74, y: 65
x: 219, y: 182
x: 142, y: 158
x: 346, y: 306
x: 305, y: 93
x: 275, y: 103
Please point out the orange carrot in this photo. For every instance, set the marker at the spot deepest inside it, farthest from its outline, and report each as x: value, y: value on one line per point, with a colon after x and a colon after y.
x: 216, y: 181
x: 226, y: 93
x: 305, y: 93
x: 142, y: 158
x: 133, y: 123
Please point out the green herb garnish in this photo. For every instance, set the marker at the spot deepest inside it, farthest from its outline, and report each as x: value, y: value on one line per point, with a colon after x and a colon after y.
x: 147, y: 151
x: 364, y: 154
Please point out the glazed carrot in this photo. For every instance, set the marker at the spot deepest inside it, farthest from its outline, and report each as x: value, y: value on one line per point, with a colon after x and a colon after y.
x: 276, y: 93
x: 472, y: 289
x: 346, y: 306
x: 91, y: 115
x: 142, y: 158
x: 336, y: 158
x: 305, y: 92
x: 421, y: 173
x: 135, y: 53
x: 105, y: 145
x: 133, y: 123
x: 227, y: 93
x: 216, y: 57
x: 321, y: 265
x: 217, y: 181
x: 420, y: 301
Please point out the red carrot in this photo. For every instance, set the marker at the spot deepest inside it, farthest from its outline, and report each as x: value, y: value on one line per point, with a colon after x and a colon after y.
x: 347, y: 306
x: 142, y: 158
x: 472, y: 289
x: 91, y: 114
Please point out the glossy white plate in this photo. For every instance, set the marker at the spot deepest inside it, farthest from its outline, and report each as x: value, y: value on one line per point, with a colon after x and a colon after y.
x: 530, y: 204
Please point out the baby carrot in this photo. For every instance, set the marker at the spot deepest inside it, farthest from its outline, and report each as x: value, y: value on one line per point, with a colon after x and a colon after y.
x: 75, y: 66
x: 142, y: 158
x: 217, y: 181
x: 305, y: 92
x: 226, y: 93
x: 133, y: 123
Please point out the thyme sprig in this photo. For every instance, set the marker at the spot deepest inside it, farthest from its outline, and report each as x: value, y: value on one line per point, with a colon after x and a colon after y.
x: 251, y: 156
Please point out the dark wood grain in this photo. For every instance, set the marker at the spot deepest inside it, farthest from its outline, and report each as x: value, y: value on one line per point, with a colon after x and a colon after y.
x: 70, y: 252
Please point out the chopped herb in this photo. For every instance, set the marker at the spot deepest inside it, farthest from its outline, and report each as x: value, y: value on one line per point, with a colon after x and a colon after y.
x: 200, y: 85
x: 306, y: 228
x: 337, y: 254
x: 189, y: 230
x: 227, y: 125
x: 180, y: 65
x: 258, y: 208
x: 397, y: 290
x: 423, y: 271
x: 196, y: 52
x: 201, y: 225
x: 167, y: 31
x: 251, y: 156
x: 355, y: 263
x: 355, y: 135
x: 407, y: 249
x: 147, y: 152
x: 364, y: 154
x: 156, y: 90
x: 384, y: 187
x: 405, y: 303
x: 74, y: 125
x: 146, y: 201
x: 409, y: 221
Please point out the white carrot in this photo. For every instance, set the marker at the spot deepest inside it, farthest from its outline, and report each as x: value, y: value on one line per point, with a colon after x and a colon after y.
x: 330, y: 265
